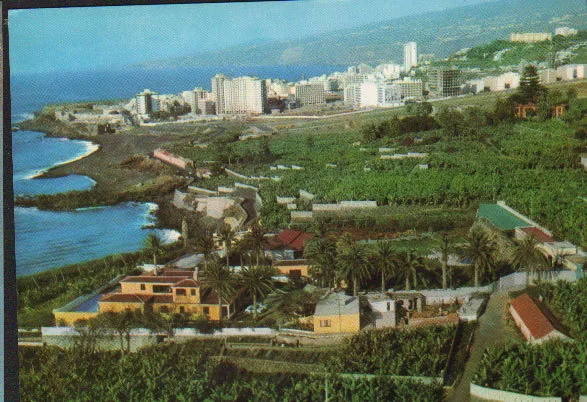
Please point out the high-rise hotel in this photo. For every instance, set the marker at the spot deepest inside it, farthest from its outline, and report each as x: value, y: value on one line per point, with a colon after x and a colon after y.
x: 243, y: 95
x: 410, y: 55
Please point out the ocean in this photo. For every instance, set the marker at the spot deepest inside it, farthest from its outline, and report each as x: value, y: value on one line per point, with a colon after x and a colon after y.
x: 47, y: 239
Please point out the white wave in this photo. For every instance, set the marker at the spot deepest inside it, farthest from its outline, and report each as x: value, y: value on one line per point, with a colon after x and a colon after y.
x: 169, y: 235
x: 22, y: 117
x: 90, y: 148
x: 89, y: 208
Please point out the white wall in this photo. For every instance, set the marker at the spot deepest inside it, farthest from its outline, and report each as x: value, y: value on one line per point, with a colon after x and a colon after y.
x: 505, y: 396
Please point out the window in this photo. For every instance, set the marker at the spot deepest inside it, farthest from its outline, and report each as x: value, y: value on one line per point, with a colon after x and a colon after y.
x: 161, y: 289
x: 206, y: 310
x: 180, y: 292
x: 193, y: 292
x: 182, y: 309
x: 143, y: 287
x: 295, y: 273
x: 325, y: 323
x: 164, y: 309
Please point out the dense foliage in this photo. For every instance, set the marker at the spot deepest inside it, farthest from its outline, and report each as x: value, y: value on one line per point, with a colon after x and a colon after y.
x: 552, y: 369
x: 417, y: 352
x: 532, y: 165
x: 185, y: 372
x: 38, y: 294
x: 569, y: 300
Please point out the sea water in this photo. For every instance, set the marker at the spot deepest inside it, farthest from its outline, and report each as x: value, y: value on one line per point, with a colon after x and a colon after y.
x: 33, y: 153
x: 48, y: 239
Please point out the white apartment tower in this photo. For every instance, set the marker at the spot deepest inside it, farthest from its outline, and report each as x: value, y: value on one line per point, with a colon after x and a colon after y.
x: 243, y: 95
x: 410, y: 55
x: 309, y: 94
x: 145, y: 104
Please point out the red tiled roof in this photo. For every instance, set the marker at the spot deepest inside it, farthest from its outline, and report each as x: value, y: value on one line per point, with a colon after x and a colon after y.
x: 300, y: 241
x: 153, y: 279
x: 187, y: 283
x: 294, y: 238
x: 287, y: 236
x: 177, y: 272
x: 539, y: 234
x: 125, y: 298
x: 534, y: 319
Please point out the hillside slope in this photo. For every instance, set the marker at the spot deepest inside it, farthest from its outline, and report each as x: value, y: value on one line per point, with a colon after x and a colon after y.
x: 441, y: 33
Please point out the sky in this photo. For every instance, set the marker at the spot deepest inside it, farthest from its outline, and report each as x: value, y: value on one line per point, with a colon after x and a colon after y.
x: 88, y: 38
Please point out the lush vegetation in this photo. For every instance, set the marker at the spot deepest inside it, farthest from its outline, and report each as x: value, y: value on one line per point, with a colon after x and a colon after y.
x: 569, y: 301
x: 552, y: 369
x: 186, y: 372
x: 39, y: 294
x: 413, y: 352
x: 477, y: 155
x: 505, y: 53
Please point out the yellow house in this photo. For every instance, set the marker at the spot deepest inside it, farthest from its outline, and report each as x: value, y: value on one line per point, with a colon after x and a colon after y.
x: 173, y: 291
x: 337, y: 313
x: 293, y: 268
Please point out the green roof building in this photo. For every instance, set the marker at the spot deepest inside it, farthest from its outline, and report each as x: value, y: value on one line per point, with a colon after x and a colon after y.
x: 500, y: 217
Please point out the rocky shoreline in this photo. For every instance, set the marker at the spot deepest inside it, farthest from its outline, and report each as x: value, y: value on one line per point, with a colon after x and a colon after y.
x: 116, y: 181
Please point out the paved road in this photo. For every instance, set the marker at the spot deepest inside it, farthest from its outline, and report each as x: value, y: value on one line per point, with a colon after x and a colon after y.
x: 492, y: 330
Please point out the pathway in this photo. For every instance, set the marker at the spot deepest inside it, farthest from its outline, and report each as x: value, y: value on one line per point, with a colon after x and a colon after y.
x: 492, y: 330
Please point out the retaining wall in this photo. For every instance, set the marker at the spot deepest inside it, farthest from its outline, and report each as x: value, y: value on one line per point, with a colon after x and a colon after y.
x: 506, y: 396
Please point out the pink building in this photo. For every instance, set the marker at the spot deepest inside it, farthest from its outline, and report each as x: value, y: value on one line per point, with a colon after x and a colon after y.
x: 174, y: 160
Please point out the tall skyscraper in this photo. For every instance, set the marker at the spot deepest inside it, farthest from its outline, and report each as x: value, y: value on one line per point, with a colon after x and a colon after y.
x: 410, y: 55
x: 146, y: 104
x: 243, y: 95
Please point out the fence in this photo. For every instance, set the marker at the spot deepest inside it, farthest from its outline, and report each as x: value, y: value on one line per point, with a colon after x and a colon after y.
x: 518, y: 280
x: 65, y: 337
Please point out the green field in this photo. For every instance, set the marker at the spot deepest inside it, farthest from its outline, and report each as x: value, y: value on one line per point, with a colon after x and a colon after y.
x: 533, y: 166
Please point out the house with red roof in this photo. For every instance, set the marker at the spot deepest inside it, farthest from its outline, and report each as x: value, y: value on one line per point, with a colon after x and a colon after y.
x: 172, y: 291
x: 288, y: 244
x: 537, y: 324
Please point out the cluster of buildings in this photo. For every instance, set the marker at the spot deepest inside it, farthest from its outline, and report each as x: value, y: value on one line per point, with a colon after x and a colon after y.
x: 533, y: 37
x: 362, y: 86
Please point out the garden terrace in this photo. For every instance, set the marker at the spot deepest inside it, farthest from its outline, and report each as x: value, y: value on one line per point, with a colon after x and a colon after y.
x: 412, y: 352
x: 196, y: 375
x: 554, y: 368
x: 533, y: 166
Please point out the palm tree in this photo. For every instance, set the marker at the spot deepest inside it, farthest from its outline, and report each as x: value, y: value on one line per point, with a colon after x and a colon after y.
x: 408, y: 263
x: 257, y: 282
x: 321, y: 251
x: 526, y: 256
x: 353, y: 264
x: 385, y: 260
x: 256, y: 240
x: 481, y: 251
x: 205, y: 245
x: 121, y: 323
x: 219, y: 279
x: 227, y: 236
x: 154, y: 244
x: 443, y: 247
